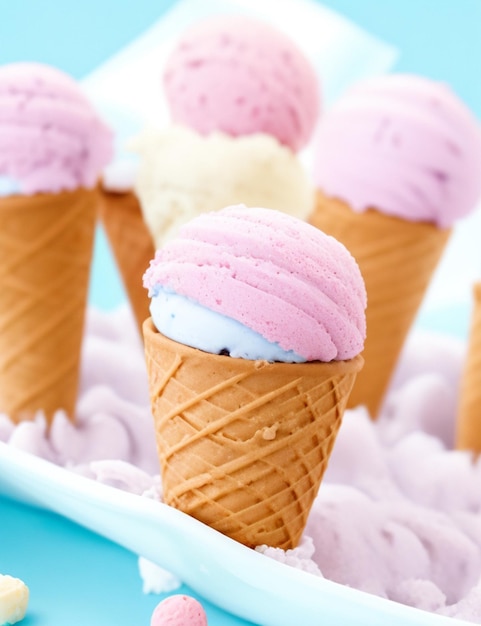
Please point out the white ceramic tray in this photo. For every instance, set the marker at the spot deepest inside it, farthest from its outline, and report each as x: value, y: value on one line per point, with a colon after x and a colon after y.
x: 235, y: 578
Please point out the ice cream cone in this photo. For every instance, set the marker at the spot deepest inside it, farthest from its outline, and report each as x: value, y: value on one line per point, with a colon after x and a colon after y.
x: 243, y: 445
x: 131, y: 245
x: 46, y: 247
x: 468, y: 429
x: 397, y: 259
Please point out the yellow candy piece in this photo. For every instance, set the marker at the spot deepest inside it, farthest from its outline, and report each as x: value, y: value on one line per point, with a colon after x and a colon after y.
x: 13, y: 599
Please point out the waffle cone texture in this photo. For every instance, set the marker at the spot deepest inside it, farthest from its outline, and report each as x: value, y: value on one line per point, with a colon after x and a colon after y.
x: 243, y: 445
x: 131, y: 244
x: 46, y: 245
x: 468, y: 430
x: 397, y: 259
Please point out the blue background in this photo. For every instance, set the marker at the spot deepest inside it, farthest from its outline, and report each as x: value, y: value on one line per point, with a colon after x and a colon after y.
x: 76, y: 577
x: 440, y: 39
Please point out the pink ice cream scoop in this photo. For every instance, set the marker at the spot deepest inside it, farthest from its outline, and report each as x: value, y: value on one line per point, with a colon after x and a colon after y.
x: 404, y: 145
x: 275, y: 274
x: 51, y: 138
x: 179, y: 610
x: 241, y: 76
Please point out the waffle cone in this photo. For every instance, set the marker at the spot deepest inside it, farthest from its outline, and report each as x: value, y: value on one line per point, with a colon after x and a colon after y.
x: 397, y: 259
x: 131, y: 244
x: 243, y: 445
x: 46, y: 245
x: 468, y: 428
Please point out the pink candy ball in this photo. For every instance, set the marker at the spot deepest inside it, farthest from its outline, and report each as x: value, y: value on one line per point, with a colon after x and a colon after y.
x: 179, y: 610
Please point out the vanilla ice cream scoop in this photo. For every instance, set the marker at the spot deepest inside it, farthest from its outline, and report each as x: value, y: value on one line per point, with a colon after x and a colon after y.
x: 182, y: 174
x: 243, y: 100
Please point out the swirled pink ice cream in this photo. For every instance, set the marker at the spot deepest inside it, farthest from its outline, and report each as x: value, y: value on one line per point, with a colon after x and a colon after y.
x: 275, y: 275
x: 51, y: 138
x: 241, y: 76
x: 404, y: 145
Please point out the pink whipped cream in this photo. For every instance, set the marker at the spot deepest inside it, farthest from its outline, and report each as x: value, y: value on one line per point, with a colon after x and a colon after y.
x: 273, y: 273
x: 241, y: 76
x: 51, y: 138
x: 404, y: 145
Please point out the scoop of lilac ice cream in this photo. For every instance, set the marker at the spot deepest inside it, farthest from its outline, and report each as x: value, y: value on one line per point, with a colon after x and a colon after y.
x: 404, y: 145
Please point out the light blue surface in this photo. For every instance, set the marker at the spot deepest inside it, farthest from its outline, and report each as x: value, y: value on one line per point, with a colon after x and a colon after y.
x: 77, y: 577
